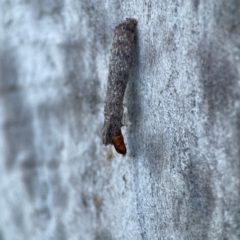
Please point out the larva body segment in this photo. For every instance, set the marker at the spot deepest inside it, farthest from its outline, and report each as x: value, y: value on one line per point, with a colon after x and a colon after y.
x: 119, y: 67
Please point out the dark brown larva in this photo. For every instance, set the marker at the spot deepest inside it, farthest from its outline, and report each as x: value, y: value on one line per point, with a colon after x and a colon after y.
x: 118, y: 143
x: 119, y: 67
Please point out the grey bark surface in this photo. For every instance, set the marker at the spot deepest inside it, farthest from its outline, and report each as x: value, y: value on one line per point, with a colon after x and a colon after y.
x: 181, y: 176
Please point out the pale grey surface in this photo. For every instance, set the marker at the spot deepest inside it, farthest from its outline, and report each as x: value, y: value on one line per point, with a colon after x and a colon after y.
x: 181, y: 176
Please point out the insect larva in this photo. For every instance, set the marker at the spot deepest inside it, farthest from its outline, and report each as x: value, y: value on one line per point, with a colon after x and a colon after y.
x: 119, y: 67
x: 118, y: 143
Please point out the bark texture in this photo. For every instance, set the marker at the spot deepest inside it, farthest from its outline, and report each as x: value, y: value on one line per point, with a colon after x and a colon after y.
x: 181, y: 176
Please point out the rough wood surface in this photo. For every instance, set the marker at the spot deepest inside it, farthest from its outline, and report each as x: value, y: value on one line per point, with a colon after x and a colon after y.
x: 181, y: 176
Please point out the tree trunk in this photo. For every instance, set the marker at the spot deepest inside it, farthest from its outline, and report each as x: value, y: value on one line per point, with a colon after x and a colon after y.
x: 180, y: 178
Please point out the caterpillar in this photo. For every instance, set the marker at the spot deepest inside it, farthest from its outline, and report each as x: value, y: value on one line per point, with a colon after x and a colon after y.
x: 118, y: 142
x: 122, y: 51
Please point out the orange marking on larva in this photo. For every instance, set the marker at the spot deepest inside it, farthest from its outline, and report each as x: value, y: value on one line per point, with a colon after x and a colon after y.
x: 118, y: 143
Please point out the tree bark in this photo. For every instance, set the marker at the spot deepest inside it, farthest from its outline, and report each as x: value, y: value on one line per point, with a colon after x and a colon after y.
x: 180, y: 178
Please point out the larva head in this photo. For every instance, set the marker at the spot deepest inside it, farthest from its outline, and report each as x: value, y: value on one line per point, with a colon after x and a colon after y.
x: 118, y: 143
